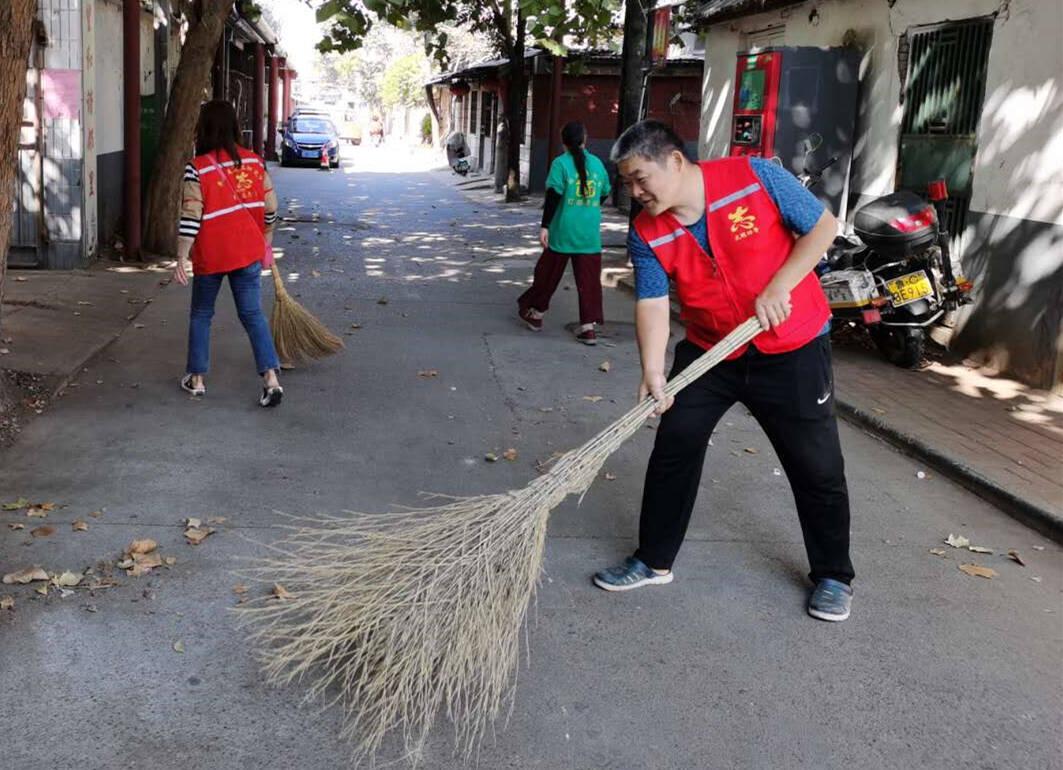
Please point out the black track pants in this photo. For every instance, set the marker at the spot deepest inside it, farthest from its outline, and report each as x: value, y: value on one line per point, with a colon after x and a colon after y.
x: 791, y: 396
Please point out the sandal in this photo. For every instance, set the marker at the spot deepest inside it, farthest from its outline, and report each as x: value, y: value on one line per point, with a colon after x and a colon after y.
x: 195, y: 390
x: 271, y: 396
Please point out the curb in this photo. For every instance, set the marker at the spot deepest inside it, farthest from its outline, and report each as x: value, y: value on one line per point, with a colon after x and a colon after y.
x: 1043, y: 520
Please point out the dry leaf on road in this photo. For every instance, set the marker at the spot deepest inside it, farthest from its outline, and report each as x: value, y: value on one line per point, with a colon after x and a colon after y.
x: 604, y: 366
x: 179, y: 646
x: 37, y: 512
x: 194, y: 523
x: 43, y: 531
x: 239, y: 589
x: 491, y: 457
x: 147, y: 545
x: 610, y: 477
x: 957, y: 541
x: 280, y: 592
x: 96, y: 514
x: 593, y: 399
x: 979, y: 549
x: 7, y: 602
x: 937, y: 551
x: 27, y: 575
x: 426, y: 373
x: 510, y: 454
x: 16, y: 525
x: 80, y: 526
x: 67, y: 579
x: 16, y: 505
x: 1014, y: 556
x: 751, y: 451
x: 976, y: 570
x: 195, y: 535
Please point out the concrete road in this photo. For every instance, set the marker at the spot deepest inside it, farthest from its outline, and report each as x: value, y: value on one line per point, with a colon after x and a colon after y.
x: 721, y: 669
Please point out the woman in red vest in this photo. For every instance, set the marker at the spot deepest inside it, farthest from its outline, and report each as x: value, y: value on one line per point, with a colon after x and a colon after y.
x: 227, y: 215
x: 737, y: 237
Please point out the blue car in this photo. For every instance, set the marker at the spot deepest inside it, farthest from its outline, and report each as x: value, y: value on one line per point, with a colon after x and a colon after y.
x: 304, y: 136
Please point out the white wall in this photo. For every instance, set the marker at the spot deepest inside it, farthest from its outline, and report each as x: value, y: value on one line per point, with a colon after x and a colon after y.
x: 1017, y: 168
x: 110, y: 131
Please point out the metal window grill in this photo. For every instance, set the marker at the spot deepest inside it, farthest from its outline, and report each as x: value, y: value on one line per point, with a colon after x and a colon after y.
x: 943, y: 90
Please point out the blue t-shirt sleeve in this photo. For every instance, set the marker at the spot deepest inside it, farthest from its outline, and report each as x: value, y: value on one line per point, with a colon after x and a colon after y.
x: 800, y: 209
x: 650, y: 279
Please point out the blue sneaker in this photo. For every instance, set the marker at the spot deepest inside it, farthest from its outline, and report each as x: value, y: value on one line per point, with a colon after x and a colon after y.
x: 830, y: 600
x: 631, y: 574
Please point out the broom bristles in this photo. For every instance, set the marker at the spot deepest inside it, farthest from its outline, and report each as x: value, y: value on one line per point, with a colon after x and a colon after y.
x: 297, y: 333
x: 397, y: 617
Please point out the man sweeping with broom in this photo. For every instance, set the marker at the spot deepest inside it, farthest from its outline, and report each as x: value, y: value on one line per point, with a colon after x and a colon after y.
x: 738, y: 237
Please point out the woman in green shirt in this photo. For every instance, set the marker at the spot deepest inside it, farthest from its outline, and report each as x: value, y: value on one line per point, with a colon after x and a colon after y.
x: 571, y: 229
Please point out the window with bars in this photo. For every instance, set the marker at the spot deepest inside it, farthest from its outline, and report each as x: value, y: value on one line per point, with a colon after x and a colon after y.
x: 473, y: 100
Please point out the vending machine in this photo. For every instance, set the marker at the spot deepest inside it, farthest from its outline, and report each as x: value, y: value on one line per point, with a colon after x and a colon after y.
x: 798, y: 105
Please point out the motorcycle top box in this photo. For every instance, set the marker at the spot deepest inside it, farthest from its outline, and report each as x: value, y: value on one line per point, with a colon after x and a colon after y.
x: 898, y: 225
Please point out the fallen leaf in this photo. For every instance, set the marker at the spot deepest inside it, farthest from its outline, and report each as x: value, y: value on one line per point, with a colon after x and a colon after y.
x: 610, y: 477
x: 1035, y: 579
x: 1038, y: 547
x: 80, y: 526
x: 179, y: 646
x: 68, y: 579
x: 604, y: 366
x: 491, y: 457
x: 593, y: 399
x: 1014, y: 556
x: 195, y: 536
x: 27, y: 575
x: 937, y: 551
x: 878, y: 410
x: 280, y: 592
x: 17, y: 505
x: 979, y: 549
x: 16, y: 525
x: 957, y: 541
x: 356, y: 326
x: 7, y: 602
x: 216, y: 520
x: 44, y: 531
x: 192, y: 522
x: 169, y: 561
x: 426, y: 373
x: 37, y: 512
x: 315, y: 273
x: 751, y: 451
x: 239, y: 589
x: 510, y: 454
x: 42, y: 590
x: 96, y: 514
x: 976, y: 570
x: 147, y: 545
x: 382, y: 301
x: 83, y: 303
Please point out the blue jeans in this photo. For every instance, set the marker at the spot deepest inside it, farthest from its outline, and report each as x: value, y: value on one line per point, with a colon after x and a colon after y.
x: 247, y: 295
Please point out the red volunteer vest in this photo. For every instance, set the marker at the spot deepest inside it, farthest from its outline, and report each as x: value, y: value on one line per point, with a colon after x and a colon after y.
x: 749, y: 243
x: 231, y: 235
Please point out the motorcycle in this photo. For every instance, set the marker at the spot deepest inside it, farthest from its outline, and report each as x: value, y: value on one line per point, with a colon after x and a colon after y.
x: 893, y: 272
x: 457, y: 153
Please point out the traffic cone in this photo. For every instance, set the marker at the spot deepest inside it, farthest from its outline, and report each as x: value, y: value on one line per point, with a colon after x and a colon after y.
x: 325, y: 163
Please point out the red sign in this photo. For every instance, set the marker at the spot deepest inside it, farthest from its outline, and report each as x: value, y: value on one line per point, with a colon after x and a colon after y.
x: 662, y: 34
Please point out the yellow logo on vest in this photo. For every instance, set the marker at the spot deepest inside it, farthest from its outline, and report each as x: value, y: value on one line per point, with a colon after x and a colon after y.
x: 743, y: 224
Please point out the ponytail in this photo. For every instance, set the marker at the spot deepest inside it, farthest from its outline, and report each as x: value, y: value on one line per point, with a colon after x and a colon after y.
x: 573, y: 135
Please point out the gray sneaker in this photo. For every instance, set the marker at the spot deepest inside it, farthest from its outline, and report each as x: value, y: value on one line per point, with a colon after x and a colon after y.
x: 631, y: 574
x: 830, y: 600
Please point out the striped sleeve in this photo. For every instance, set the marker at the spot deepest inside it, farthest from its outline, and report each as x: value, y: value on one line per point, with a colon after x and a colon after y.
x: 270, y: 213
x: 191, y: 211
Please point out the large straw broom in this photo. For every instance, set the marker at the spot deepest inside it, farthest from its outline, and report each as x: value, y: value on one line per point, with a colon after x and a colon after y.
x: 297, y: 334
x: 398, y: 616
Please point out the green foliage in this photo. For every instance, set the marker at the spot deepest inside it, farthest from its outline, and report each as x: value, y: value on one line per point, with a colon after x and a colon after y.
x: 426, y: 128
x: 403, y: 82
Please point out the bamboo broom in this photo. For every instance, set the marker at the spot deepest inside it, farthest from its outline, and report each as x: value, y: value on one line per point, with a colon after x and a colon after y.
x: 297, y: 334
x: 398, y: 617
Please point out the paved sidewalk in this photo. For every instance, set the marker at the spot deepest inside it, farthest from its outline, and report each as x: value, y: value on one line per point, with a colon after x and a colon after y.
x: 1001, y: 439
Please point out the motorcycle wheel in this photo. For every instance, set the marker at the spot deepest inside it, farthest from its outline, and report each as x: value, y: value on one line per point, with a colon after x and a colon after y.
x: 901, y: 346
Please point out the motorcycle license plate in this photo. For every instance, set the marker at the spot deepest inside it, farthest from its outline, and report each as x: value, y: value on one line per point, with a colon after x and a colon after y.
x: 842, y: 296
x: 909, y: 288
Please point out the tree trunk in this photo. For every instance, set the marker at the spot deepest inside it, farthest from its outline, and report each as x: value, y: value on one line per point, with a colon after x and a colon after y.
x: 515, y: 109
x: 16, y: 33
x: 163, y: 204
x: 630, y: 78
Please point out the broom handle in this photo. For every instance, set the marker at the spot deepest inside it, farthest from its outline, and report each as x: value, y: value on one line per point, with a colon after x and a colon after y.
x: 278, y: 281
x: 627, y: 425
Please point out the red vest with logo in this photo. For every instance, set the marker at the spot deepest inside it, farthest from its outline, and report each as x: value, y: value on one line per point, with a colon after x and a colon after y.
x: 749, y: 243
x: 232, y: 233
